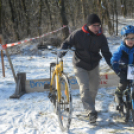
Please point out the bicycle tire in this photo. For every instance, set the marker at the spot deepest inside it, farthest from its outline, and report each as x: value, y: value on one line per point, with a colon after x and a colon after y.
x: 63, y: 108
x: 133, y: 116
x: 132, y: 93
x: 123, y: 111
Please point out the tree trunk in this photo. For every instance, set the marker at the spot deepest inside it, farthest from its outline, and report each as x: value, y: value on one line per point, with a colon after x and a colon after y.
x: 26, y: 17
x: 63, y: 20
x: 123, y: 8
x: 83, y: 3
x: 116, y: 16
x: 13, y: 17
x: 106, y: 16
x: 40, y: 18
x: 50, y: 15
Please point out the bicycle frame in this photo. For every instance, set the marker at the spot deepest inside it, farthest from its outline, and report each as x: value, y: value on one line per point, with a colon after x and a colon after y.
x: 58, y: 72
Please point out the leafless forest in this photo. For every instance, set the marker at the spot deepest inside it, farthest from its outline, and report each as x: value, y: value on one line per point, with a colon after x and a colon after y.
x: 22, y: 19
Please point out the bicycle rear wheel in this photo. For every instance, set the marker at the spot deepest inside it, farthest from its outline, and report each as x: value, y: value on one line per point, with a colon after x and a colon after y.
x: 63, y: 108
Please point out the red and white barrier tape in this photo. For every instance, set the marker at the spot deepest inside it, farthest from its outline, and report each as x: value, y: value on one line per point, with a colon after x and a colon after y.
x: 27, y: 40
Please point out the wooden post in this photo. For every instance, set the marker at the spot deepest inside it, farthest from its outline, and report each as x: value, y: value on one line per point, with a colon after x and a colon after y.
x: 2, y: 63
x: 11, y: 65
x: 2, y: 57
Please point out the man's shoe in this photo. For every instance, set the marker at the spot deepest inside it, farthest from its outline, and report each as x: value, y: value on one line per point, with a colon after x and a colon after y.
x: 93, y: 117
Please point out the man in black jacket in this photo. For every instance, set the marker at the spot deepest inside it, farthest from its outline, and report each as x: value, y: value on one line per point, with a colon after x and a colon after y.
x: 88, y: 41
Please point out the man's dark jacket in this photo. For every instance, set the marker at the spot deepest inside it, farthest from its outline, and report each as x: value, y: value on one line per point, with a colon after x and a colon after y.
x: 88, y: 46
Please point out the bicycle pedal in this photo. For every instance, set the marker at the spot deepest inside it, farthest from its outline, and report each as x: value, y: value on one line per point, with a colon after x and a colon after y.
x: 49, y: 95
x: 52, y: 97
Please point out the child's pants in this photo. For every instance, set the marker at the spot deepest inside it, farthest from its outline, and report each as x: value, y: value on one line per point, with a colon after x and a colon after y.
x: 121, y: 87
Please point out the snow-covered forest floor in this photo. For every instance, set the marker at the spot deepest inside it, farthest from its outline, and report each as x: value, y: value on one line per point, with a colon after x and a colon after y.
x: 33, y: 112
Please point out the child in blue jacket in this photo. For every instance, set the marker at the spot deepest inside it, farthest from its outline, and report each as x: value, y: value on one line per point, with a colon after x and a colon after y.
x: 124, y: 54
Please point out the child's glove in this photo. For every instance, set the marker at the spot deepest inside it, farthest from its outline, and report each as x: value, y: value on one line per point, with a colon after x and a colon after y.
x: 115, y: 67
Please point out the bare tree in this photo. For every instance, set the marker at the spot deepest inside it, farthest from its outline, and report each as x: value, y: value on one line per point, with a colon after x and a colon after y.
x: 116, y: 15
x: 63, y: 18
x: 28, y: 18
x: 123, y: 7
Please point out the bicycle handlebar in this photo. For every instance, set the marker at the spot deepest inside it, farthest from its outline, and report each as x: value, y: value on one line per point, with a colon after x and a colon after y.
x: 59, y: 50
x: 54, y: 49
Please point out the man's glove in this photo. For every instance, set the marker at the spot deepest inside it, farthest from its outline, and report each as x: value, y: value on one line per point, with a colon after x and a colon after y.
x: 61, y: 54
x: 115, y: 67
x: 64, y: 47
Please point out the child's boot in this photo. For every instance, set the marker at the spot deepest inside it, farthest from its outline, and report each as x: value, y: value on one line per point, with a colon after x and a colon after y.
x: 118, y: 98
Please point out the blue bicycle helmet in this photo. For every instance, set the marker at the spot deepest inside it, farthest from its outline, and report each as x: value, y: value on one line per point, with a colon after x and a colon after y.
x: 127, y: 30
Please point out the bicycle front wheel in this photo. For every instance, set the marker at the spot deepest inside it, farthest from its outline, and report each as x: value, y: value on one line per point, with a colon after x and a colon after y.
x: 132, y: 92
x: 64, y: 106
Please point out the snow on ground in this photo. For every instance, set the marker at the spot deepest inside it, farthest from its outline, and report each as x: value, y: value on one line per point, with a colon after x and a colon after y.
x: 33, y: 112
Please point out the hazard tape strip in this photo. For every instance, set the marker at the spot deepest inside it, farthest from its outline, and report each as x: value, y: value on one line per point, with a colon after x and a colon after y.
x: 2, y: 47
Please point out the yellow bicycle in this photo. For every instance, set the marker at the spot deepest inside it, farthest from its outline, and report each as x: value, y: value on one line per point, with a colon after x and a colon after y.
x: 60, y: 94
